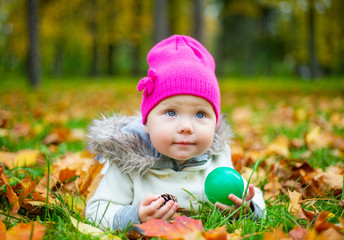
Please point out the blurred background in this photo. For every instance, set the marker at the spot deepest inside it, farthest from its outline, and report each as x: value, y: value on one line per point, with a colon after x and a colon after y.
x: 60, y: 38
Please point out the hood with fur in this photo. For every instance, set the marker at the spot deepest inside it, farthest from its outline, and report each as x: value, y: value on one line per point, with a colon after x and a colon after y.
x: 111, y: 139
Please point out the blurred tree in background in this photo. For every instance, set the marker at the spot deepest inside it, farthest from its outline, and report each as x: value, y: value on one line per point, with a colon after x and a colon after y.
x: 107, y: 37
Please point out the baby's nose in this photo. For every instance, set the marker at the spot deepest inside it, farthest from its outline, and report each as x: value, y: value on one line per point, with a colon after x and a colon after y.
x: 185, y: 127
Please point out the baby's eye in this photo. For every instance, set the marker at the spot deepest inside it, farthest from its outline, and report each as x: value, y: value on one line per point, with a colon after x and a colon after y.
x: 171, y: 113
x: 200, y: 115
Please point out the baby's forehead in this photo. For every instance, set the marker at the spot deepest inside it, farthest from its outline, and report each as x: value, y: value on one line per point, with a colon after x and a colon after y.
x: 182, y: 100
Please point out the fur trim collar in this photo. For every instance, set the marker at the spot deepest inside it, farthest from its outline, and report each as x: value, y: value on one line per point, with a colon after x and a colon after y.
x: 130, y: 150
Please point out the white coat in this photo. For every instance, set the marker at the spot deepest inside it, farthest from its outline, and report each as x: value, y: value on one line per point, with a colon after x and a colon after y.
x: 115, y: 203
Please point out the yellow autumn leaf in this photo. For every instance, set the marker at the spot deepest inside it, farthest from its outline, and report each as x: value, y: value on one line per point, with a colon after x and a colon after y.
x: 22, y: 158
x: 90, y: 230
x: 279, y: 146
x: 294, y: 206
x: 316, y: 139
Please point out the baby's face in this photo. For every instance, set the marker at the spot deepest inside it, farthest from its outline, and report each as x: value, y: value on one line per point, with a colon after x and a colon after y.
x: 182, y: 126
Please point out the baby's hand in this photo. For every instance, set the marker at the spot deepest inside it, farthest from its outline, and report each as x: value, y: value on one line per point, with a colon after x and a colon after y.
x: 150, y: 207
x: 238, y: 202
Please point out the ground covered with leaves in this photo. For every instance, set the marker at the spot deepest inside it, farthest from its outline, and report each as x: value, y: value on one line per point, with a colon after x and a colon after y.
x: 289, y: 142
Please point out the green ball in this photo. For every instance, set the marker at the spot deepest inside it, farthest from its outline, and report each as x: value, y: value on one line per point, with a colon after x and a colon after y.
x: 221, y: 182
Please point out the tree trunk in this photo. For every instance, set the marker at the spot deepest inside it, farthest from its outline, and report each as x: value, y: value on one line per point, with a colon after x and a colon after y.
x: 198, y: 6
x: 94, y: 33
x: 34, y: 56
x: 111, y: 49
x: 312, y: 55
x: 160, y: 20
x: 58, y: 60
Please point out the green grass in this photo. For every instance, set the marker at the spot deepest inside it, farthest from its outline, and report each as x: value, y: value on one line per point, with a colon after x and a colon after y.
x: 78, y: 100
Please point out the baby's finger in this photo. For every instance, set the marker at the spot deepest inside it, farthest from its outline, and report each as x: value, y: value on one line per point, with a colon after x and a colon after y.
x: 171, y: 212
x: 222, y: 207
x: 163, y: 210
x: 151, y: 209
x: 251, y: 193
x: 147, y: 200
x: 237, y: 201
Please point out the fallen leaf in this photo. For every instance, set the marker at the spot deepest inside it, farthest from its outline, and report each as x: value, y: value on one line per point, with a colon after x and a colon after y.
x: 272, y: 188
x: 90, y: 230
x: 236, y: 235
x: 2, y: 230
x: 276, y: 234
x: 241, y: 114
x: 298, y: 233
x: 10, y: 194
x: 77, y: 203
x: 57, y: 136
x: 27, y: 187
x: 295, y: 208
x: 331, y: 234
x: 22, y: 158
x: 331, y: 179
x: 258, y: 176
x: 22, y: 129
x: 279, y: 146
x: 294, y: 205
x: 32, y: 231
x: 321, y: 223
x: 66, y: 174
x: 217, y: 234
x: 317, y: 139
x: 88, y: 181
x: 60, y: 135
x: 175, y: 230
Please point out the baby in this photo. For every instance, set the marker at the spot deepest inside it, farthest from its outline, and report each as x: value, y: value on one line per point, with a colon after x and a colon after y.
x: 179, y: 138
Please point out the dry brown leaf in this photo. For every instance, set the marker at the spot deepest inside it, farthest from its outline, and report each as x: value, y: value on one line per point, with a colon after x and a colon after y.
x: 88, y: 183
x: 33, y: 206
x: 77, y: 135
x: 22, y: 129
x: 258, y: 176
x: 27, y: 187
x: 298, y: 233
x: 254, y: 155
x: 5, y: 116
x: 321, y: 223
x: 276, y: 234
x: 181, y: 226
x: 2, y: 230
x: 294, y: 205
x: 316, y: 139
x: 331, y: 179
x: 217, y: 234
x: 272, y: 188
x: 61, y: 134
x: 283, y: 115
x: 241, y: 115
x: 337, y: 119
x: 296, y: 209
x: 32, y: 231
x: 57, y: 136
x: 66, y: 168
x: 279, y: 146
x: 10, y: 194
x: 331, y: 234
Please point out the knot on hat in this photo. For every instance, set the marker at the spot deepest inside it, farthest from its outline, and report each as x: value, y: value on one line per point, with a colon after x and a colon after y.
x: 147, y: 83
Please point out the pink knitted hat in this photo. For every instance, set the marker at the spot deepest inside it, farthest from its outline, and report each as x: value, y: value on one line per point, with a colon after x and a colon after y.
x: 179, y: 65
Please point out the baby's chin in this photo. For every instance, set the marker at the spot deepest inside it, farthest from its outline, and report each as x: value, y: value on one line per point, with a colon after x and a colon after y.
x: 183, y: 158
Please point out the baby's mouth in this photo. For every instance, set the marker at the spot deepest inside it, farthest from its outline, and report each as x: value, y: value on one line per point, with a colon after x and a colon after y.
x: 186, y: 143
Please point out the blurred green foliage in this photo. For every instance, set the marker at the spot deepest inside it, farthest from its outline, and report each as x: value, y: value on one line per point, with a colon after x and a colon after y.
x: 107, y: 37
